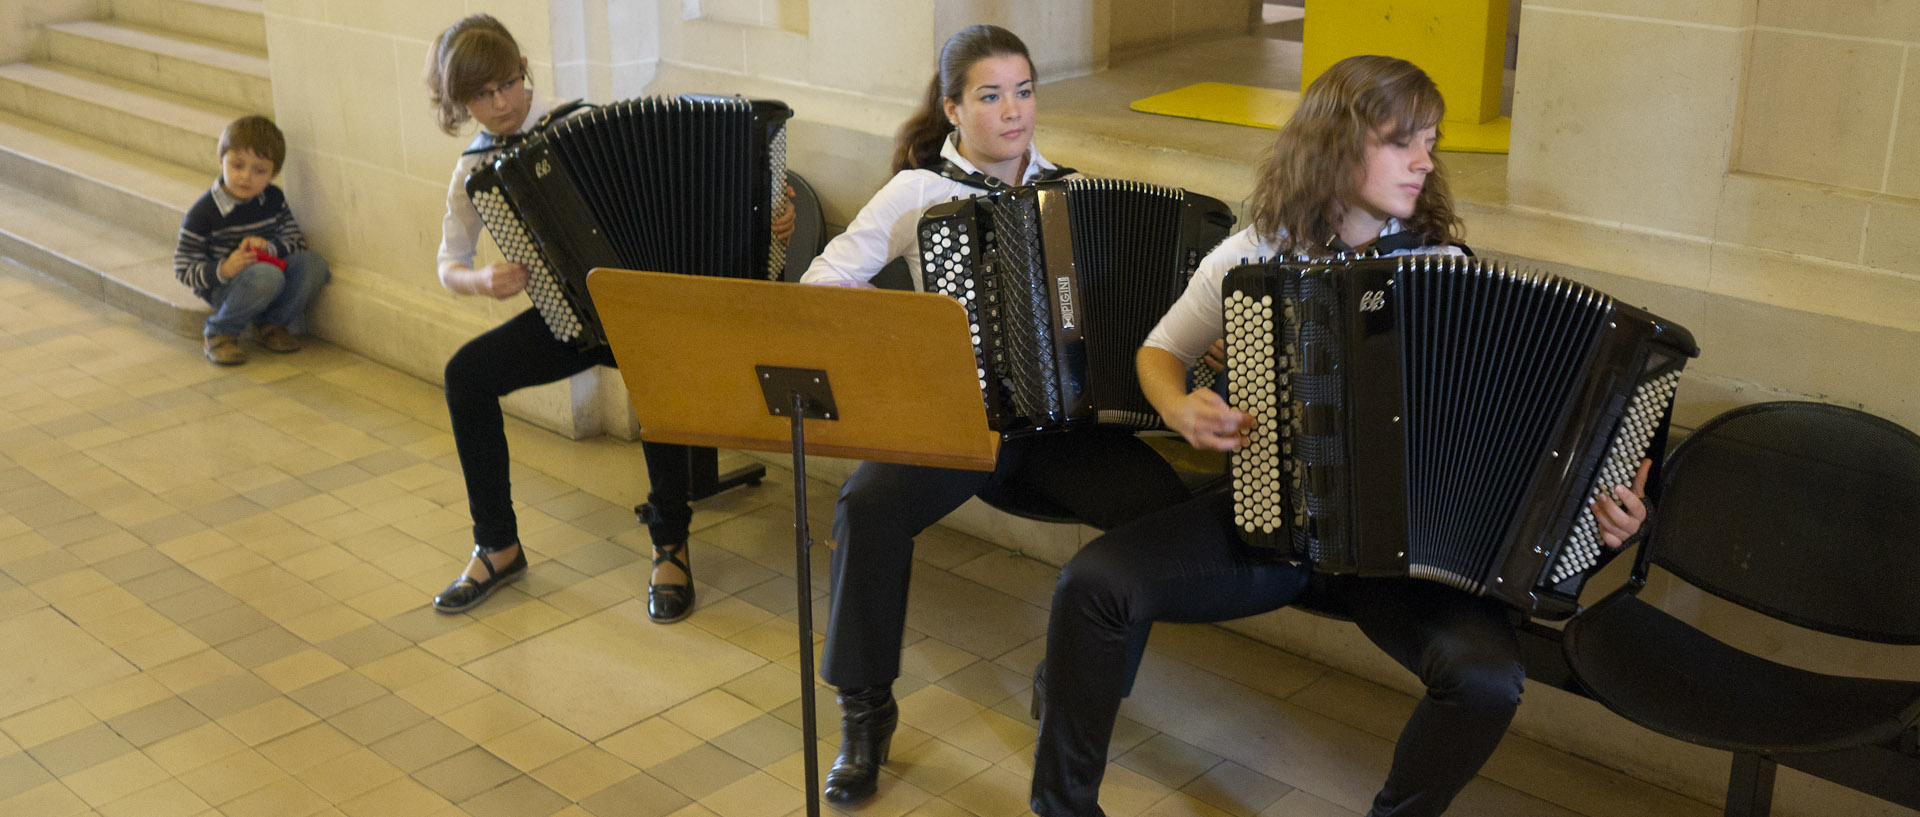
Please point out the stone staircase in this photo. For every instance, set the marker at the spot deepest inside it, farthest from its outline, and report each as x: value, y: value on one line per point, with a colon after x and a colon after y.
x: 107, y: 140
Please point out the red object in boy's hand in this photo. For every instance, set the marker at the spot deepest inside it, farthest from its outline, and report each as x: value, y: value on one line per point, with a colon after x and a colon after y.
x: 270, y: 258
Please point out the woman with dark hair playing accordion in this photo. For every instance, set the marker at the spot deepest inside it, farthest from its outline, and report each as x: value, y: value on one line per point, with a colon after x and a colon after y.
x: 1352, y: 170
x: 475, y: 71
x: 973, y: 133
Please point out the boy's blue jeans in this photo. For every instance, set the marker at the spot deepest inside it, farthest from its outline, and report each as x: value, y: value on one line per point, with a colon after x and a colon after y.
x: 261, y: 293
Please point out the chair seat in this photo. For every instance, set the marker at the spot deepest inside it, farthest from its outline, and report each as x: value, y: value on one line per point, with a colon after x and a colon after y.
x: 1665, y: 675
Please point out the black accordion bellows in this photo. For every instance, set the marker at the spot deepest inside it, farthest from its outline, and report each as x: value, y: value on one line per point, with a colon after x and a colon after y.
x: 1062, y: 282
x: 686, y: 184
x: 1441, y: 417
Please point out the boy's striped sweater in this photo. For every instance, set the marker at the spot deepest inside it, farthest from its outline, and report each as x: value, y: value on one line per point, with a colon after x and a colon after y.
x: 217, y: 223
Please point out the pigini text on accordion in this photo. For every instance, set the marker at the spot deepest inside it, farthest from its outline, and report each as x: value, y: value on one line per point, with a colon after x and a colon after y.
x: 1441, y: 417
x: 1062, y: 281
x: 688, y: 184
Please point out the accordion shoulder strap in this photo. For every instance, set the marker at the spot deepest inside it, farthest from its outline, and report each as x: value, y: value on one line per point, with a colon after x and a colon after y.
x: 975, y: 178
x: 485, y: 142
x: 1389, y: 244
x: 561, y: 111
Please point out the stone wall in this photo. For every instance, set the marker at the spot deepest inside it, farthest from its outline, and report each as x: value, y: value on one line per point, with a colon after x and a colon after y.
x: 368, y: 170
x: 1759, y: 149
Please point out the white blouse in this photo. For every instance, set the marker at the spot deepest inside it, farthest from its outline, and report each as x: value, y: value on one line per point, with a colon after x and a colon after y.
x: 1195, y: 321
x: 885, y: 228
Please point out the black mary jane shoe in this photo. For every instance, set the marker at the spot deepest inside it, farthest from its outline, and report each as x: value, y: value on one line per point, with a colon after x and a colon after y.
x: 466, y: 593
x: 668, y: 603
x: 867, y: 720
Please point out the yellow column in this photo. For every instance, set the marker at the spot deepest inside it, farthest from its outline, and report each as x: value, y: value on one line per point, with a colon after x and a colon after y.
x: 1460, y: 43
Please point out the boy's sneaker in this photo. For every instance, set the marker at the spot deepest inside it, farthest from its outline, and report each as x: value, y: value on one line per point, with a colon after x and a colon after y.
x: 276, y: 338
x: 225, y: 350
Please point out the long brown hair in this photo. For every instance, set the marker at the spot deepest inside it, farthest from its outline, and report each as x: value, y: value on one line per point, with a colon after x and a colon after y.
x: 1315, y: 165
x: 919, y: 140
x: 468, y: 56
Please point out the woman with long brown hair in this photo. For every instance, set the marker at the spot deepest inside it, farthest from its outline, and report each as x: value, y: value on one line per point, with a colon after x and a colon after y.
x: 1352, y: 170
x: 973, y: 133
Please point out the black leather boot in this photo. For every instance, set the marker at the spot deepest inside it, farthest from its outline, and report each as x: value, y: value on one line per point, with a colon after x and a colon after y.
x: 867, y: 719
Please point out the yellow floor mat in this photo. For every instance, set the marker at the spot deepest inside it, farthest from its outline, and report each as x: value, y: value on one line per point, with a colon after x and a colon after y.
x: 1269, y: 107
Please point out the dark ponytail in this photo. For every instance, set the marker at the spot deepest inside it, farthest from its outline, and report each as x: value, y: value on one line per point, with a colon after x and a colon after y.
x: 919, y: 140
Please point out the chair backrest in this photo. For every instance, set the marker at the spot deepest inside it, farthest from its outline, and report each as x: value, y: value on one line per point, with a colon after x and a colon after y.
x: 895, y: 275
x: 809, y: 228
x: 810, y: 237
x: 1806, y: 512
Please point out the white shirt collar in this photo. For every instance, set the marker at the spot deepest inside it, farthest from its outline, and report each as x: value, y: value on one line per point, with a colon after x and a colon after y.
x: 1036, y: 164
x: 225, y: 200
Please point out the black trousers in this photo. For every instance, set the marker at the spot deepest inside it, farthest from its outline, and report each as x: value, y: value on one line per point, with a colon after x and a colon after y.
x: 1105, y: 477
x: 1187, y: 564
x: 514, y: 355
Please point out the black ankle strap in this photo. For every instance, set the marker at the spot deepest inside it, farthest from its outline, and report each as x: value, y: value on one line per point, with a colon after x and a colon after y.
x: 481, y: 552
x: 670, y: 554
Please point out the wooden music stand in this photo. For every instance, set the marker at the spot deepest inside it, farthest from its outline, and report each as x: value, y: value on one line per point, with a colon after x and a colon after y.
x: 736, y: 363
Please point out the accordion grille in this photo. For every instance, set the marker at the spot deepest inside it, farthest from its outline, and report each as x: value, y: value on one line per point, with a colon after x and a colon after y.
x: 1028, y: 304
x: 1312, y: 326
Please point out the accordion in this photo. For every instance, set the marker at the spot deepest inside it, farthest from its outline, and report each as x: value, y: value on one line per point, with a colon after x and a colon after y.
x: 686, y: 184
x: 1062, y: 281
x: 1441, y: 417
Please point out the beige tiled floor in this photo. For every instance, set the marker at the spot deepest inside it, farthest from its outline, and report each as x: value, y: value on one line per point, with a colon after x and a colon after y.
x: 212, y: 601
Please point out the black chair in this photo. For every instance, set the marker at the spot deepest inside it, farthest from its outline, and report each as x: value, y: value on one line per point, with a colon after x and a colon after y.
x: 895, y: 275
x: 809, y: 228
x: 1804, y: 512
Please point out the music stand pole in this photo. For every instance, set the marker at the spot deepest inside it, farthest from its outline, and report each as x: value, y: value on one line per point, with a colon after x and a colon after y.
x: 808, y: 395
x: 803, y: 570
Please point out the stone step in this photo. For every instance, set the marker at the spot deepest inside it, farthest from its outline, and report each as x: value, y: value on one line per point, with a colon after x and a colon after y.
x: 216, y: 72
x: 237, y: 22
x: 135, y: 191
x: 99, y: 258
x: 158, y: 123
